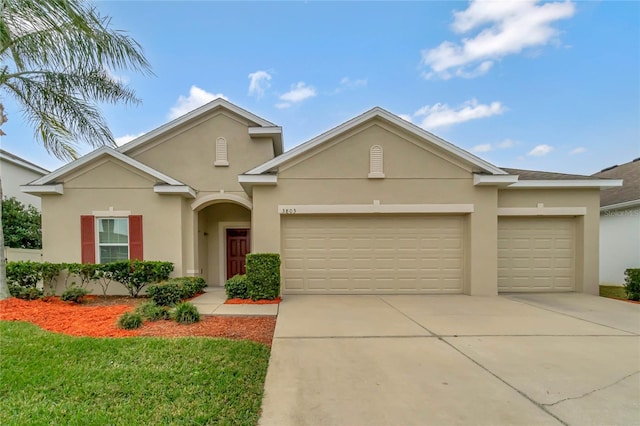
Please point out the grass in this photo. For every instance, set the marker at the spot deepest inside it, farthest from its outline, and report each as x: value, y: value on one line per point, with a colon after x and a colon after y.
x: 48, y: 378
x: 613, y: 292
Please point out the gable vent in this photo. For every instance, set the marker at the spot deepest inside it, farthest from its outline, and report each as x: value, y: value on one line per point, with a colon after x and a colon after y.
x: 221, y: 152
x: 376, y: 162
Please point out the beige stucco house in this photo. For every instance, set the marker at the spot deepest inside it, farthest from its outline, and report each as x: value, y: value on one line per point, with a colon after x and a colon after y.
x: 375, y: 205
x: 16, y: 171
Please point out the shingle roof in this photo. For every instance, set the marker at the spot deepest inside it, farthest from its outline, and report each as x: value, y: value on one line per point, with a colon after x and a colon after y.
x: 538, y: 175
x: 630, y: 189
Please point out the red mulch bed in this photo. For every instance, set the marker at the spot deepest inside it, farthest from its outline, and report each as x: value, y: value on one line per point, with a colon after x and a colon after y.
x: 252, y: 302
x: 97, y: 318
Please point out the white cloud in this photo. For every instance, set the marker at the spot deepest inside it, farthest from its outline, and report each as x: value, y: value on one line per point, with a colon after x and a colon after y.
x: 485, y: 147
x: 259, y: 82
x: 197, y: 97
x: 540, y: 150
x: 578, y: 150
x: 406, y: 117
x: 298, y: 93
x: 283, y: 105
x: 504, y: 28
x: 441, y: 115
x: 348, y: 84
x: 121, y: 140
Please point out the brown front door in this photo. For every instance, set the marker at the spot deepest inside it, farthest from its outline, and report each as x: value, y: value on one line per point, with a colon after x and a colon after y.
x: 237, y: 249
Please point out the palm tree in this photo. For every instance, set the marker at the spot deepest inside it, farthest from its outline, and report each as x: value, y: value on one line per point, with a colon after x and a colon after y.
x: 57, y: 60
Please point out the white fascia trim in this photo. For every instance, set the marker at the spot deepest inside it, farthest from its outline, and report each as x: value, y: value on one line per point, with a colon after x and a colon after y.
x: 617, y: 206
x: 103, y: 151
x: 586, y: 183
x: 294, y: 209
x: 377, y: 112
x: 494, y: 180
x: 193, y: 114
x: 25, y: 164
x: 273, y: 132
x: 258, y: 179
x: 183, y: 190
x: 542, y: 211
x: 111, y: 213
x: 42, y: 189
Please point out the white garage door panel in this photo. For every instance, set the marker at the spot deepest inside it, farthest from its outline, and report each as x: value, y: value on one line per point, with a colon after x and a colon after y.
x: 372, y: 254
x: 536, y: 254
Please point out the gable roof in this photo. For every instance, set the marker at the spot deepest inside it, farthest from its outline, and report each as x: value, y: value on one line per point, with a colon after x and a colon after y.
x: 276, y: 131
x: 629, y: 192
x: 104, y: 151
x: 376, y: 112
x: 14, y: 159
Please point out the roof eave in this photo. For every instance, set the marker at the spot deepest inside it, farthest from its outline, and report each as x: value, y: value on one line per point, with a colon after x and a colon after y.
x: 578, y: 183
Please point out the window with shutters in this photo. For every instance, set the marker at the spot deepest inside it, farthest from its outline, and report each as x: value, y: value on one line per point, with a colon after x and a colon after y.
x: 376, y: 170
x: 109, y: 239
x: 221, y: 153
x: 113, y: 239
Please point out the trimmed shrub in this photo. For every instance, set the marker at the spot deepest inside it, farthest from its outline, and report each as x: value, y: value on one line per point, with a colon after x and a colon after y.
x: 263, y: 275
x: 167, y: 293
x: 152, y: 312
x: 185, y: 313
x: 130, y: 321
x: 26, y: 293
x: 135, y: 275
x: 236, y: 287
x: 632, y: 283
x: 193, y: 285
x: 74, y: 294
x: 25, y: 274
x: 50, y: 273
x: 85, y: 271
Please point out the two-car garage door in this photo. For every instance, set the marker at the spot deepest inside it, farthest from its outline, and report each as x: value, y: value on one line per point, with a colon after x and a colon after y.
x: 373, y: 254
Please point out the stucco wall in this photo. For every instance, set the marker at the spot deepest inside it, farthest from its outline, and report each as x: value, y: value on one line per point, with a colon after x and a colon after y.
x: 619, y: 244
x: 12, y: 177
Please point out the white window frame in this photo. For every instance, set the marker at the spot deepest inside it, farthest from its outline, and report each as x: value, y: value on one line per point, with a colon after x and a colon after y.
x: 97, y: 237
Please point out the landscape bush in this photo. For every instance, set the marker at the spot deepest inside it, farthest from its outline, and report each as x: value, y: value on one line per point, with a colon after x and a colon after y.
x: 263, y: 275
x: 152, y: 312
x: 135, y: 275
x: 632, y: 283
x: 26, y: 293
x: 185, y: 313
x: 74, y: 294
x: 236, y: 287
x: 50, y: 273
x: 130, y: 321
x: 24, y: 273
x: 175, y: 290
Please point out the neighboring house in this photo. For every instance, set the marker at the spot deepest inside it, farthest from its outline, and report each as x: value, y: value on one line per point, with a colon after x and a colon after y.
x: 620, y: 223
x: 16, y: 171
x: 375, y: 205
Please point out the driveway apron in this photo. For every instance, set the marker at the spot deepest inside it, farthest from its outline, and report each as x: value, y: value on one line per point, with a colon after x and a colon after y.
x: 448, y: 360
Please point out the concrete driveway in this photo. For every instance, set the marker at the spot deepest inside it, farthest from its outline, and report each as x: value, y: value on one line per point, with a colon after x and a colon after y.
x: 442, y: 360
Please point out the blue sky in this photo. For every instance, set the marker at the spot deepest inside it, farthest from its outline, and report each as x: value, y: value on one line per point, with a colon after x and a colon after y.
x: 534, y: 85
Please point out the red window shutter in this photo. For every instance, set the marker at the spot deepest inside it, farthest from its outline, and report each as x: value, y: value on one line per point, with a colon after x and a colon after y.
x: 135, y: 237
x: 88, y: 238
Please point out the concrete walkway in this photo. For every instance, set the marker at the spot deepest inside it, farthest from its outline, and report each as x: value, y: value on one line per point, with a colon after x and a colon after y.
x: 212, y: 303
x: 567, y: 359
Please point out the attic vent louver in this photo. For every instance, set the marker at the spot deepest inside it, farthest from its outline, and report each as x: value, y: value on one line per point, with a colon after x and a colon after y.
x: 221, y: 153
x: 376, y: 162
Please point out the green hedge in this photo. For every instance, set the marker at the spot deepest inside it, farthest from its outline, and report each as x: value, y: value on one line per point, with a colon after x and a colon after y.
x: 263, y: 275
x: 236, y: 287
x: 175, y: 290
x: 134, y: 275
x: 632, y: 283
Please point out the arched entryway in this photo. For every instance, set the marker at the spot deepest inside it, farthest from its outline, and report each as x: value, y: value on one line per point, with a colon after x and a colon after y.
x: 223, y: 239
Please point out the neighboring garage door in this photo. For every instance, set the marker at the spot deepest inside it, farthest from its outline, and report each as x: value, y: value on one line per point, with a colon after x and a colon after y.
x: 372, y: 254
x: 536, y: 254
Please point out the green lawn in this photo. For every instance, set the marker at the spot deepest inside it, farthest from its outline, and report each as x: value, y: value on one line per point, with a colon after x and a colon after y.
x: 48, y: 378
x: 614, y: 292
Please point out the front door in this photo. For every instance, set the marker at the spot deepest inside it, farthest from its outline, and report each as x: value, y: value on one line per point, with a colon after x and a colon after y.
x: 237, y: 249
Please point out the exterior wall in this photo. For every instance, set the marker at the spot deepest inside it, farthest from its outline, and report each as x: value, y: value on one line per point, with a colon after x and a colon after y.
x: 416, y: 173
x: 587, y: 226
x: 212, y: 240
x: 619, y: 244
x: 188, y: 153
x: 12, y: 177
x: 21, y: 255
x: 108, y: 185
